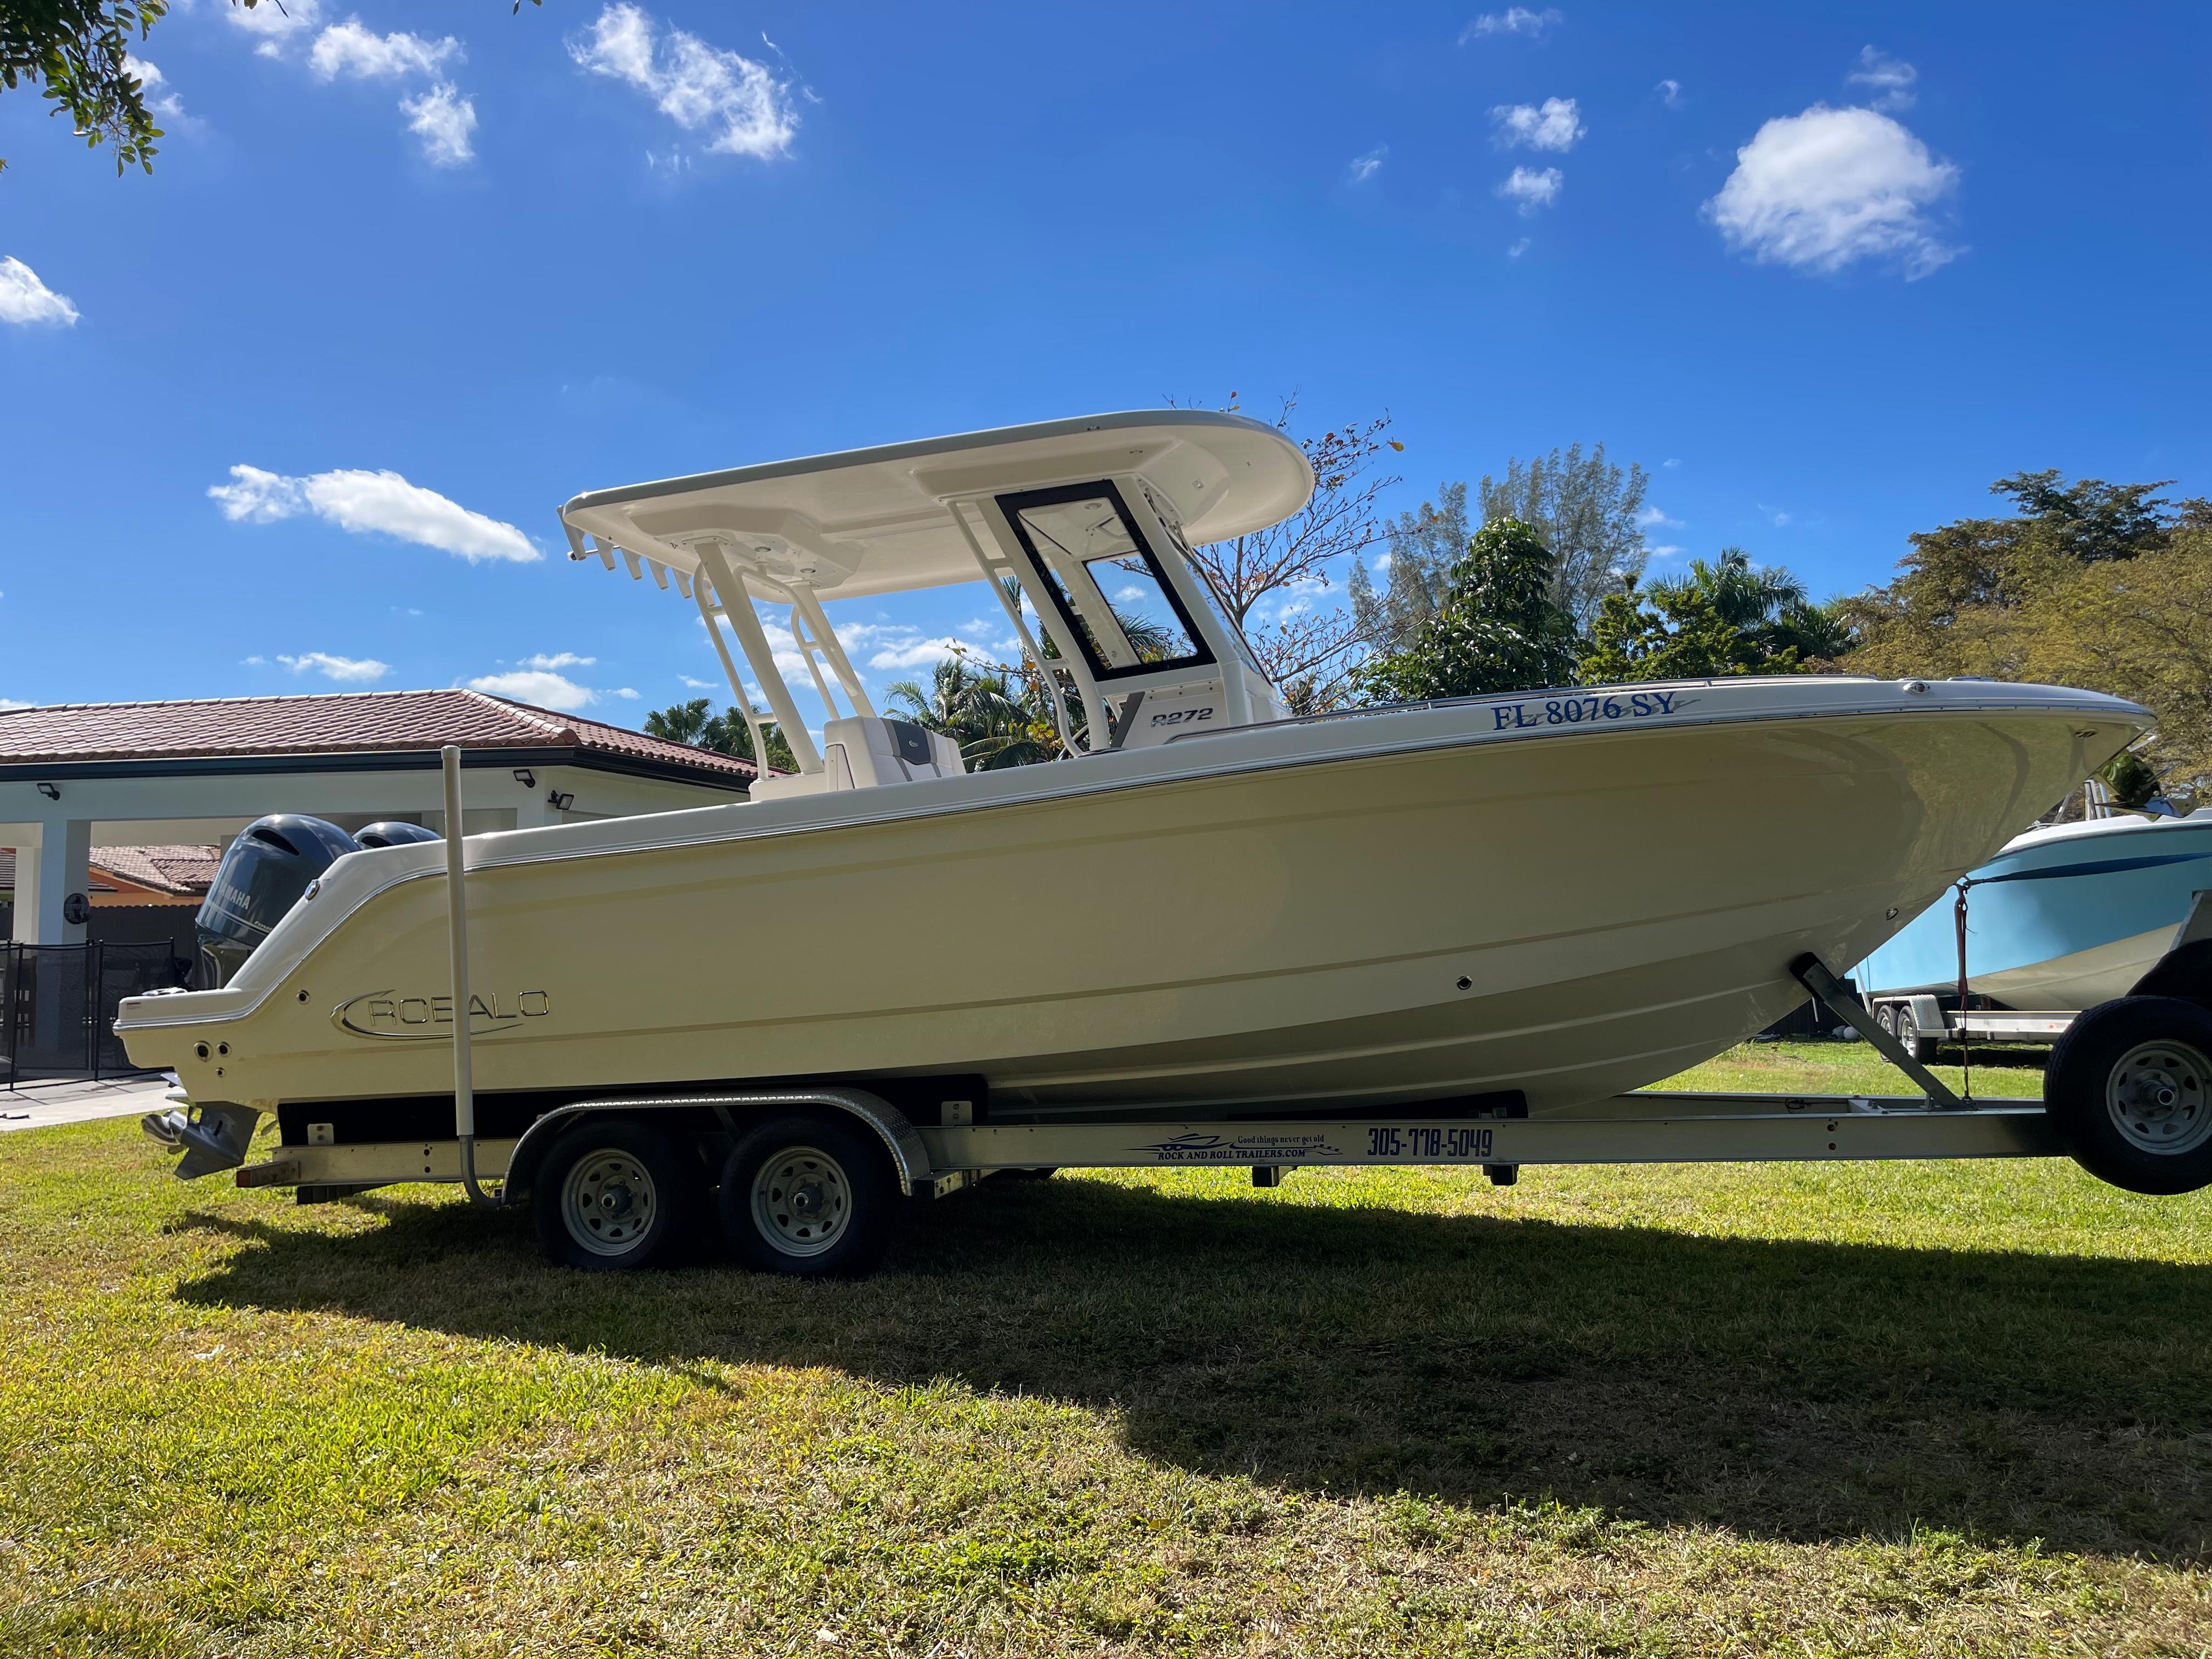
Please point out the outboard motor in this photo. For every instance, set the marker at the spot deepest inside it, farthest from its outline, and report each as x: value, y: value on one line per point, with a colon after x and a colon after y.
x: 393, y: 832
x: 262, y: 877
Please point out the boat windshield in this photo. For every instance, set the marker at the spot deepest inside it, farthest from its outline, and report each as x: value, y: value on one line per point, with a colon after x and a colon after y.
x: 1105, y: 582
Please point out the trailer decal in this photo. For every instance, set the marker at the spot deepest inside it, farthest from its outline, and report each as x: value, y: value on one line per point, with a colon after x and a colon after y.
x: 1197, y: 1148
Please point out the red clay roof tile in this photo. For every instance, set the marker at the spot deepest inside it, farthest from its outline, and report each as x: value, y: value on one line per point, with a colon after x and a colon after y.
x: 367, y: 723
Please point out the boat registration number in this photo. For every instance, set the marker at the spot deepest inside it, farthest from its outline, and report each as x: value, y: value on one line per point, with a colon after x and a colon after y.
x: 1428, y: 1142
x: 1582, y: 711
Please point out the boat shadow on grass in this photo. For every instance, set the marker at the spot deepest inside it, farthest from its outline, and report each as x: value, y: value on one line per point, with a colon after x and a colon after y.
x: 1788, y: 1389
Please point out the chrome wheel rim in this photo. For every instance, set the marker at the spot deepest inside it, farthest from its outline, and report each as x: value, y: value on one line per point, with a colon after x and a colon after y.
x: 608, y: 1202
x: 2157, y: 1097
x: 802, y: 1201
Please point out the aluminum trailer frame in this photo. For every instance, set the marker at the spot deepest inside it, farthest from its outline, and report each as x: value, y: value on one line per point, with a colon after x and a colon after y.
x: 1636, y: 1128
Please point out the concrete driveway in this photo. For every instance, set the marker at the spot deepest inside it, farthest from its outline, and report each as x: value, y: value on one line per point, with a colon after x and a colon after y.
x: 42, y: 1105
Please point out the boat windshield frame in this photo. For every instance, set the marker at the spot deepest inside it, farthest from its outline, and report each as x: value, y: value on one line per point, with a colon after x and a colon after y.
x: 1051, y: 582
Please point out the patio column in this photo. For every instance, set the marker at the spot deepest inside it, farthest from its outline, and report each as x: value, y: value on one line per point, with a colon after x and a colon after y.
x: 54, y: 863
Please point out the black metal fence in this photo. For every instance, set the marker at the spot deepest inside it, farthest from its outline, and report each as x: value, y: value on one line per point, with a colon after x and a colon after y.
x: 58, y: 1004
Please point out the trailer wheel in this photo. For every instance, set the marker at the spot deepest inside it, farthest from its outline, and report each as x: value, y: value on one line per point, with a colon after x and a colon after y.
x: 1921, y: 1049
x: 809, y: 1197
x: 1886, y: 1017
x: 615, y: 1195
x: 2129, y: 1086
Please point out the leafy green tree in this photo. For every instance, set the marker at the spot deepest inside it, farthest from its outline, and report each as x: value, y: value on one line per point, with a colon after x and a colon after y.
x: 1587, y: 511
x: 980, y: 711
x: 1948, y: 611
x: 726, y: 733
x: 1423, y: 546
x: 2090, y: 519
x: 77, y: 49
x: 1498, y: 630
x: 1721, y: 617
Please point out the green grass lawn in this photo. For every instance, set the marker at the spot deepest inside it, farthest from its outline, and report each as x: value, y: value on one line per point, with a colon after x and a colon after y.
x: 1792, y: 1409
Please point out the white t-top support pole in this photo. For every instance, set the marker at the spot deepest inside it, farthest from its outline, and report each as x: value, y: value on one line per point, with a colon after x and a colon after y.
x: 457, y: 940
x: 744, y: 623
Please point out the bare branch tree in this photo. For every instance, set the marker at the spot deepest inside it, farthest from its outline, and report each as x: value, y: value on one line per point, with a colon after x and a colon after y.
x: 1269, y: 583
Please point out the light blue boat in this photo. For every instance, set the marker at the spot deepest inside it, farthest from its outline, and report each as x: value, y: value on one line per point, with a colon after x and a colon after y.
x: 2066, y: 916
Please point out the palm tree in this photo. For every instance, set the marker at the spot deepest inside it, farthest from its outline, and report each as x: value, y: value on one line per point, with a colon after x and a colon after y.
x: 979, y: 711
x: 1766, y: 603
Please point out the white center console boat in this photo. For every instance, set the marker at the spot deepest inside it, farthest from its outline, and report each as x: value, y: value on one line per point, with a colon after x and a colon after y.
x: 1205, y: 912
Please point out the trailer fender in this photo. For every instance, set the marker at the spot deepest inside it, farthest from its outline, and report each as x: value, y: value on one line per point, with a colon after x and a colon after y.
x: 907, y: 1155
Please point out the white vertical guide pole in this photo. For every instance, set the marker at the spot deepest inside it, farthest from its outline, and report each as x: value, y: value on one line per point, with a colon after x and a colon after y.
x: 457, y: 939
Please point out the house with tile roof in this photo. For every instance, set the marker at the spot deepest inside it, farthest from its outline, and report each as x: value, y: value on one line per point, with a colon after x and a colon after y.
x: 168, y: 779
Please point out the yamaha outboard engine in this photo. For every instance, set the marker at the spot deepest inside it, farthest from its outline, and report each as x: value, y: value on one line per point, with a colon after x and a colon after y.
x: 261, y: 877
x: 394, y: 832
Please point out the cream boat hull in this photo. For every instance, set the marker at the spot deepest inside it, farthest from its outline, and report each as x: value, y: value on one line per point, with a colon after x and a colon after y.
x: 1457, y: 900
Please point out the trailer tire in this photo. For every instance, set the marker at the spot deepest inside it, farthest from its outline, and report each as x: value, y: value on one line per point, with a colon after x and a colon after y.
x: 1921, y: 1048
x: 1886, y: 1017
x: 808, y: 1196
x: 617, y: 1195
x: 2129, y: 1086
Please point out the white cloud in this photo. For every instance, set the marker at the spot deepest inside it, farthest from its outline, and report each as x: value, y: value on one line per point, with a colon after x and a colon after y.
x: 1821, y: 189
x: 16, y: 703
x: 1672, y: 460
x: 1670, y: 94
x: 24, y: 299
x: 443, y: 120
x: 257, y: 660
x: 356, y: 670
x: 535, y: 685
x: 151, y: 80
x: 699, y: 685
x: 1532, y: 188
x: 1779, y: 518
x: 1890, y: 79
x: 915, y: 653
x: 1364, y: 167
x: 629, y: 693
x: 361, y: 54
x: 1651, y: 517
x: 362, y: 501
x: 558, y: 661
x: 1668, y: 551
x: 274, y: 27
x: 1517, y: 248
x: 1514, y: 20
x: 749, y: 111
x: 1555, y: 124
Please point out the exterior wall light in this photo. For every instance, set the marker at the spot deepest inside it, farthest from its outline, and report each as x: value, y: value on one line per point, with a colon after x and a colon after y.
x: 525, y: 777
x: 51, y: 791
x: 559, y: 802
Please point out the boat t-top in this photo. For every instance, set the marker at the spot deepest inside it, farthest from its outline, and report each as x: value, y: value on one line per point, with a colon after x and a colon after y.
x: 1205, y: 913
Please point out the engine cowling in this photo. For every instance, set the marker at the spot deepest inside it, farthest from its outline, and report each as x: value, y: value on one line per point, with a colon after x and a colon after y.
x: 261, y: 877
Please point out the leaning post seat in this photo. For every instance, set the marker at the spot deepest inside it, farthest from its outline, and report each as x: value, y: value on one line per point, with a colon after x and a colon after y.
x: 868, y: 749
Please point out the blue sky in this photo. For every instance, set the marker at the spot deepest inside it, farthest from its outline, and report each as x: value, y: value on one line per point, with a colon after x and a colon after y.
x: 1824, y: 271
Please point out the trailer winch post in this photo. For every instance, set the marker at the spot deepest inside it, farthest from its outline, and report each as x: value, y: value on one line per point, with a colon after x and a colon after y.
x: 1809, y: 971
x: 457, y: 938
